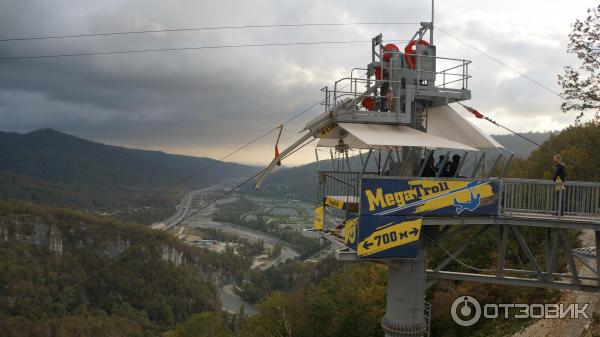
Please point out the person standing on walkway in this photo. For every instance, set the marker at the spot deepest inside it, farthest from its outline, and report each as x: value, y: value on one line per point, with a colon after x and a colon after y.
x: 389, y: 99
x: 559, y: 176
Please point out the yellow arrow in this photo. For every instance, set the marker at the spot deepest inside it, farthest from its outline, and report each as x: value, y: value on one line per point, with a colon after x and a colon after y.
x: 350, y: 232
x: 390, y: 236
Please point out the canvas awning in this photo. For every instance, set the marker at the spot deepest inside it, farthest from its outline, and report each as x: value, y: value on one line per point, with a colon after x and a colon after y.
x: 443, y: 121
x: 379, y: 136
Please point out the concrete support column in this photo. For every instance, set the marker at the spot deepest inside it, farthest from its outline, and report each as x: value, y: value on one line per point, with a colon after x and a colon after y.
x: 405, y: 308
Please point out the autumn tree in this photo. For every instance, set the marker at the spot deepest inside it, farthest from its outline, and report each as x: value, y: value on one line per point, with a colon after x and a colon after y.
x: 581, y: 83
x: 205, y: 324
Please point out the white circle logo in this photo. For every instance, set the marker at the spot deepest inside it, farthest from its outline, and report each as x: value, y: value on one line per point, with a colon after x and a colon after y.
x: 467, y: 305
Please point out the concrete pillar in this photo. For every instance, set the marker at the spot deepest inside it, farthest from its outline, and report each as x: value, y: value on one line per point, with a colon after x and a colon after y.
x: 405, y: 308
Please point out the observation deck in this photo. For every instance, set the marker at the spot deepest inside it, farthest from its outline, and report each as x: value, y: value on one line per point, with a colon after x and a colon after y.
x: 519, y: 198
x: 349, y: 96
x: 467, y: 206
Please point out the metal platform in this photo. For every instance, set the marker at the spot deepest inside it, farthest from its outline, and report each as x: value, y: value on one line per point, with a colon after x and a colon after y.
x: 396, y: 109
x: 524, y: 203
x: 524, y: 199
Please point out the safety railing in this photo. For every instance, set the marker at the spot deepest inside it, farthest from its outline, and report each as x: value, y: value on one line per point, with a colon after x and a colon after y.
x: 453, y: 78
x: 344, y: 186
x: 573, y: 200
x: 569, y: 200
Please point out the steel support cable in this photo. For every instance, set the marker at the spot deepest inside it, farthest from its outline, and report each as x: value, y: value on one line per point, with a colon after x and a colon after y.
x: 456, y: 259
x: 140, y: 245
x: 459, y: 261
x: 188, y: 29
x: 499, y: 61
x: 155, y: 236
x: 289, y: 120
x: 139, y: 51
x: 268, y: 132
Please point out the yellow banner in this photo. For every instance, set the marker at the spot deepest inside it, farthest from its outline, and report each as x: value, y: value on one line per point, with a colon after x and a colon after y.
x: 390, y: 236
x: 319, y: 217
x: 351, y: 231
x: 428, y: 195
x: 329, y: 201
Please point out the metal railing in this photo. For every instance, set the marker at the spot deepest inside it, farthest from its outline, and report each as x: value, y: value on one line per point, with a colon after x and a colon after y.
x: 453, y: 78
x: 569, y: 200
x: 343, y: 185
x: 572, y: 200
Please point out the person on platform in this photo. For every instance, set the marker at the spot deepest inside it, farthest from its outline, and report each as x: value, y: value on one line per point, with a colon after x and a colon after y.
x: 453, y: 167
x: 389, y: 99
x: 560, y: 170
x: 381, y: 103
x: 440, y: 162
x: 429, y: 170
x: 559, y: 176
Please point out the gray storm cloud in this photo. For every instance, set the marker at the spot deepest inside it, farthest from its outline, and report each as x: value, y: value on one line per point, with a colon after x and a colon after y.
x: 221, y: 98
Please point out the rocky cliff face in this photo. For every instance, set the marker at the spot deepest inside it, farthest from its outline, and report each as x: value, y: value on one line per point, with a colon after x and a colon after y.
x: 34, y: 230
x: 172, y: 255
x: 57, y: 270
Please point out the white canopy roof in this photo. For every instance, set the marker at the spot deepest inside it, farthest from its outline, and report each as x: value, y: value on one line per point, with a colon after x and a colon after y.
x: 364, y: 136
x: 443, y: 121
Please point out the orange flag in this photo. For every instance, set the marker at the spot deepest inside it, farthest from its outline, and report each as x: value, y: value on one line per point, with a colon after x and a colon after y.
x: 277, y: 143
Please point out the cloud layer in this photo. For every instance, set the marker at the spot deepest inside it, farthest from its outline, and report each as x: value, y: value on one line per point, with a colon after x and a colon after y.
x: 209, y: 102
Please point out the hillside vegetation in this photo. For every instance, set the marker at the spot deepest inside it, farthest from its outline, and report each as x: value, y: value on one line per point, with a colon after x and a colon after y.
x: 520, y: 147
x: 46, y: 252
x: 56, y: 169
x: 579, y: 147
x: 61, y: 158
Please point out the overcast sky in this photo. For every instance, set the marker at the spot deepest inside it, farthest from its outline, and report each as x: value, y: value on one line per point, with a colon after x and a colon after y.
x: 208, y: 102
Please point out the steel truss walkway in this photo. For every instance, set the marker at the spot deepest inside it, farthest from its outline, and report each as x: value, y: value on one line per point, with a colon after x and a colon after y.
x: 559, y: 211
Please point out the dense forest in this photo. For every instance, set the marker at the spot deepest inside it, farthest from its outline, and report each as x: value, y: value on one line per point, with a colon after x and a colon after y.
x: 142, y: 206
x: 579, y: 147
x: 45, y: 253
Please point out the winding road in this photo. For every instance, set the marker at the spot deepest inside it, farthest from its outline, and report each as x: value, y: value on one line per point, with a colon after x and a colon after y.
x: 231, y: 302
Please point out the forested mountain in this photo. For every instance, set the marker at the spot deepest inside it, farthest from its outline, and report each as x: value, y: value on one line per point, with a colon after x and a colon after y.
x: 519, y: 146
x: 579, y: 146
x: 57, y: 169
x: 45, y: 253
x: 61, y: 158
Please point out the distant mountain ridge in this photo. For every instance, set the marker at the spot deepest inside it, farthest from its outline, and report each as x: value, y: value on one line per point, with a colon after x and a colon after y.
x: 53, y: 168
x: 50, y: 167
x: 61, y: 158
x: 520, y: 146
